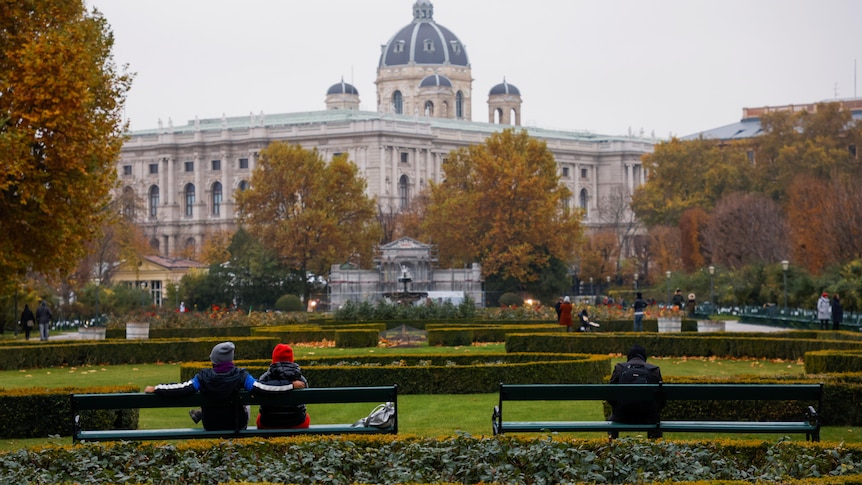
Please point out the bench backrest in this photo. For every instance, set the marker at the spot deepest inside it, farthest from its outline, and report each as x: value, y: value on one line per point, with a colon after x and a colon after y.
x: 329, y: 395
x: 670, y: 392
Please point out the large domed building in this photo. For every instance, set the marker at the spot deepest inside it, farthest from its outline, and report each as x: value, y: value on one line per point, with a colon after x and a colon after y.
x: 187, y: 174
x: 424, y: 70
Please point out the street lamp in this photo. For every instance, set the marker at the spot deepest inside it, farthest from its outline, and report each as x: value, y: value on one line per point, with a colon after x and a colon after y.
x: 592, y: 290
x: 636, y: 282
x: 784, y: 266
x: 711, y: 289
x: 667, y: 273
x: 608, y: 290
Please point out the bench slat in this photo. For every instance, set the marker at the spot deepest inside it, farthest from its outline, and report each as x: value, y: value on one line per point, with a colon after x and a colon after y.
x: 199, y: 433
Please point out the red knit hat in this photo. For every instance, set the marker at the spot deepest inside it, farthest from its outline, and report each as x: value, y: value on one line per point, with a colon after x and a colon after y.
x: 282, y: 353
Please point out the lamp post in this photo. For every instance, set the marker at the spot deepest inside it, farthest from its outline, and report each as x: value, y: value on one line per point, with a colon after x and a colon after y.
x: 667, y: 273
x: 636, y: 282
x: 608, y: 290
x: 592, y: 291
x: 784, y: 266
x: 711, y: 289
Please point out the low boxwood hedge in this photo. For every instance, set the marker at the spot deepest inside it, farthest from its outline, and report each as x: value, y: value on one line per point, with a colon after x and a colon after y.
x: 459, y: 459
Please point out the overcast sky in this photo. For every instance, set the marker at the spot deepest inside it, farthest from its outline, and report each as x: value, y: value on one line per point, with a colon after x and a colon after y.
x: 606, y: 66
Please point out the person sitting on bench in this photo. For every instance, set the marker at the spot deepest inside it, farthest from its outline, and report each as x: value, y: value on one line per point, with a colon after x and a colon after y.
x: 636, y: 370
x: 222, y: 381
x: 283, y: 370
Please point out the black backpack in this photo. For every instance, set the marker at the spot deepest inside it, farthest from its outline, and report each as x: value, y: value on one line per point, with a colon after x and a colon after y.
x: 634, y: 374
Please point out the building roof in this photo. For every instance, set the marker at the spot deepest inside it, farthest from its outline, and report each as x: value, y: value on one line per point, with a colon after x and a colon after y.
x: 504, y: 88
x: 423, y: 41
x: 251, y: 121
x: 342, y: 88
x: 435, y: 80
x: 173, y: 263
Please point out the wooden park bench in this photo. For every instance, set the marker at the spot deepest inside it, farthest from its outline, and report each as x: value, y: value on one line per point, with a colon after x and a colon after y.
x: 333, y: 395
x: 809, y: 422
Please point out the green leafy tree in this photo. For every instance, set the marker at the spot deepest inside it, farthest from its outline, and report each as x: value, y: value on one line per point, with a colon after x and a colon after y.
x: 502, y: 204
x: 310, y: 213
x: 61, y: 131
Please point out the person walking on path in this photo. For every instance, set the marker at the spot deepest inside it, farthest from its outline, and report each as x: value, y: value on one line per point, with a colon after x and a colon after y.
x: 837, y: 312
x: 557, y: 308
x: 28, y: 321
x: 824, y: 311
x: 43, y: 318
x: 639, y: 306
x: 566, y: 309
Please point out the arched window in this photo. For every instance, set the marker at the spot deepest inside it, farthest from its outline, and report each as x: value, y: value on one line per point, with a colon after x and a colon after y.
x: 217, y: 197
x: 397, y: 103
x: 404, y: 191
x: 459, y: 105
x: 129, y: 202
x: 444, y: 110
x: 154, y: 201
x: 190, y: 246
x: 498, y: 116
x: 243, y: 185
x: 154, y: 244
x: 583, y: 199
x: 190, y: 200
x: 429, y: 108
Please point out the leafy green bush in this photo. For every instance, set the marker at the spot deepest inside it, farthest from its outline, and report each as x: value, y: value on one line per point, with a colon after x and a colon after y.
x: 363, y: 311
x: 511, y: 299
x: 289, y: 303
x: 460, y: 459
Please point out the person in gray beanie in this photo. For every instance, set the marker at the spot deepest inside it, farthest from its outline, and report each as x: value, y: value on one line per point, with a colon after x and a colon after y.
x: 223, y: 380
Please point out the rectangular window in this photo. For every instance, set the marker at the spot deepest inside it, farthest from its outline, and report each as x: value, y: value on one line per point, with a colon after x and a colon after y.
x: 190, y: 166
x: 243, y: 163
x: 852, y: 149
x: 154, y: 168
x: 583, y: 173
x: 405, y: 157
x: 216, y: 164
x: 750, y: 155
x: 127, y: 169
x: 566, y: 172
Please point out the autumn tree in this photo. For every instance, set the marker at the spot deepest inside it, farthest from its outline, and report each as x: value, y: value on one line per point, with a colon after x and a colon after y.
x: 615, y: 212
x: 688, y: 174
x: 310, y: 213
x: 691, y: 226
x: 745, y: 229
x: 502, y: 204
x: 61, y: 131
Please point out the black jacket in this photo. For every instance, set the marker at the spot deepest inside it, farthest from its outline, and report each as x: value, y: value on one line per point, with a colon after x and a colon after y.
x: 282, y: 373
x: 216, y: 387
x: 636, y: 411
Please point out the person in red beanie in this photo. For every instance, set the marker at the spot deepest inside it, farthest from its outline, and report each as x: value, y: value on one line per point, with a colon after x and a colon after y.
x: 283, y: 370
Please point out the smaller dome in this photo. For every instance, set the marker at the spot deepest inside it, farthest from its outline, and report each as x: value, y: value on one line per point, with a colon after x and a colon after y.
x: 342, y: 88
x: 435, y: 80
x: 504, y: 88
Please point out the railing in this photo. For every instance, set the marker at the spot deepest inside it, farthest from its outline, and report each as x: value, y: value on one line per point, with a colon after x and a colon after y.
x: 802, y: 318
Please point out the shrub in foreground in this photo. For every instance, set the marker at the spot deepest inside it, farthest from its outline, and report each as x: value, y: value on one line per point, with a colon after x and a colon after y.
x: 460, y: 459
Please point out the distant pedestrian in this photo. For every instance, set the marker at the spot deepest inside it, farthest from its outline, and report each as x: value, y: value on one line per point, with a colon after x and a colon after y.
x: 678, y: 301
x: 824, y: 311
x: 837, y: 312
x: 43, y: 318
x: 28, y: 321
x: 557, y: 307
x: 566, y: 309
x: 639, y: 306
x: 690, y: 305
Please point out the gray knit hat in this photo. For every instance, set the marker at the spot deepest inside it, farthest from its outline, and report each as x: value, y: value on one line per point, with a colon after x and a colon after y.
x: 222, y: 352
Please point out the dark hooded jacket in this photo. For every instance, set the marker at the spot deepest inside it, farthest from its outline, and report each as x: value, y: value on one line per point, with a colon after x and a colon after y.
x: 635, y: 412
x: 279, y: 374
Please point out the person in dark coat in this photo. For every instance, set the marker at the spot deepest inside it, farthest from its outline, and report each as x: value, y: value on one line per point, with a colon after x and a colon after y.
x: 639, y: 306
x: 28, y: 321
x: 222, y: 381
x: 837, y: 312
x: 282, y: 371
x: 43, y: 318
x: 636, y: 412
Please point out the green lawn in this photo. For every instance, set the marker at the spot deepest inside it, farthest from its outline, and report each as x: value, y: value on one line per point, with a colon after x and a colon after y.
x: 425, y: 415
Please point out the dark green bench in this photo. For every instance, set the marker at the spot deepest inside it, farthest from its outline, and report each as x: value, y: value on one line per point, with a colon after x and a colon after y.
x: 333, y: 395
x: 808, y: 424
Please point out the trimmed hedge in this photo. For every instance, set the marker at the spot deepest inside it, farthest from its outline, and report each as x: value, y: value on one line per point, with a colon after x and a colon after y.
x: 832, y: 361
x: 355, y: 335
x: 779, y: 345
x: 440, y: 374
x: 58, y: 353
x: 386, y: 459
x: 36, y: 412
